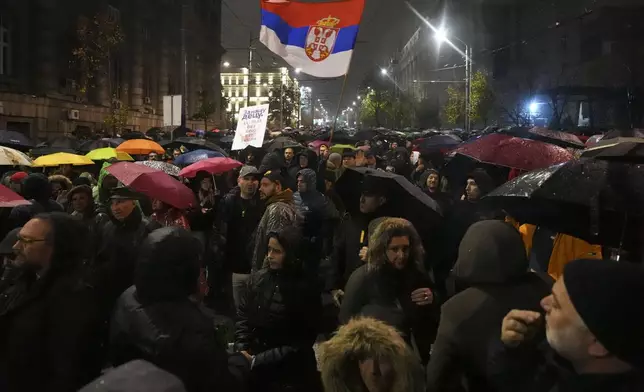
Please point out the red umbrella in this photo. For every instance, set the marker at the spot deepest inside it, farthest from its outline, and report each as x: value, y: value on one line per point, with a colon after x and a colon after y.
x: 213, y: 166
x: 153, y: 183
x: 9, y: 198
x: 514, y: 152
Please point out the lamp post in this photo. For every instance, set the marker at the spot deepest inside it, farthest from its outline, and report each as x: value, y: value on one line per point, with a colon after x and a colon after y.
x: 441, y: 36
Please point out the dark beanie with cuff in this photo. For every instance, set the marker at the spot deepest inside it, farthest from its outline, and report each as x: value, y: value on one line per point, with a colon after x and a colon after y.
x: 608, y: 296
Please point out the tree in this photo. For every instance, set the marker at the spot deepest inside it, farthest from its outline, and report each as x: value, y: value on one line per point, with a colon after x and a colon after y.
x: 206, y: 109
x: 283, y: 99
x: 376, y: 105
x: 454, y: 109
x: 483, y: 98
x: 117, y: 119
x: 97, y: 39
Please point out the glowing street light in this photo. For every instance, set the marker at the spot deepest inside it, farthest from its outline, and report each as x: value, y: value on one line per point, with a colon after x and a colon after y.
x: 226, y: 64
x: 298, y: 70
x: 359, y: 98
x: 383, y: 71
x: 440, y: 34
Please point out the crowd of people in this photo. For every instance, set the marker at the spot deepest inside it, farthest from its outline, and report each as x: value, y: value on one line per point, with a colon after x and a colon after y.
x: 273, y: 284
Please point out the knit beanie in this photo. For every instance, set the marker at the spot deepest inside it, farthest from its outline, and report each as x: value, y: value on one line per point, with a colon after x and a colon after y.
x: 608, y: 297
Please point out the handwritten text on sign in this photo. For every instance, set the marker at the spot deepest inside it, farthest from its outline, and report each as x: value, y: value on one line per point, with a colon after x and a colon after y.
x: 251, y: 127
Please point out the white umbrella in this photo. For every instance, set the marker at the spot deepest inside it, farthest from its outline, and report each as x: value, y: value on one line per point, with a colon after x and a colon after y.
x: 11, y: 157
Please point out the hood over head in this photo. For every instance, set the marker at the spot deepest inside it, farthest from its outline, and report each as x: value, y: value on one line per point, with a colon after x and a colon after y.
x: 310, y: 178
x: 366, y: 338
x: 491, y: 251
x: 382, y: 230
x: 483, y: 180
x: 310, y: 155
x: 168, y: 266
x: 336, y: 159
x: 272, y: 161
x: 289, y: 237
x: 36, y: 186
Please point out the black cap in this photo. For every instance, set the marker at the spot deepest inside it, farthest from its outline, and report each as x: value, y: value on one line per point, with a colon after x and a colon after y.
x: 607, y: 294
x: 373, y: 186
x: 347, y: 153
x: 275, y: 176
x: 124, y: 193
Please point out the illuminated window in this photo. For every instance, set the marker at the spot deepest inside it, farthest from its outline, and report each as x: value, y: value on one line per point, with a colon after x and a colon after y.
x: 258, y: 92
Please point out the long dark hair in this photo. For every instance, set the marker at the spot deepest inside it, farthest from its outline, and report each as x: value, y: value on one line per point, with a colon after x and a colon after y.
x: 289, y: 239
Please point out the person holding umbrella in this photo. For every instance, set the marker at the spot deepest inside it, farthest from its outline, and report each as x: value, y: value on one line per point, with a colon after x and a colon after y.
x: 350, y: 243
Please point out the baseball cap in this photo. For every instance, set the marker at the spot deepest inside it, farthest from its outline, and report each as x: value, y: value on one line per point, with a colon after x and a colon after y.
x: 275, y: 176
x: 248, y: 171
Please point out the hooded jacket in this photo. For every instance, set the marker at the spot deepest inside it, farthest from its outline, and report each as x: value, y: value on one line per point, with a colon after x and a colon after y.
x: 280, y: 213
x: 155, y: 319
x: 492, y: 264
x: 378, y: 290
x: 368, y: 338
x: 295, y: 168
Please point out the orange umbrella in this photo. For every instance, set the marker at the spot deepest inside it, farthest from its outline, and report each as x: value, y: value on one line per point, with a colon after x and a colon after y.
x: 140, y: 147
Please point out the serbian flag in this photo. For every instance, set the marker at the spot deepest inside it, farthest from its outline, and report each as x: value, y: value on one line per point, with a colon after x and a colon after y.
x: 317, y: 38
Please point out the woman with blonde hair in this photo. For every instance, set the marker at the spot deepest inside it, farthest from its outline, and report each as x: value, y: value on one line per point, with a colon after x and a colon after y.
x: 367, y: 355
x: 393, y: 286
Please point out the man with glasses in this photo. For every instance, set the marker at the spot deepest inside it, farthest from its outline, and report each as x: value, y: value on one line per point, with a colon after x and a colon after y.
x: 47, y: 315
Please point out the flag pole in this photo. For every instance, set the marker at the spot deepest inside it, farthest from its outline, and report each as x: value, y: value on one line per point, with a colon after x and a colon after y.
x: 337, y: 112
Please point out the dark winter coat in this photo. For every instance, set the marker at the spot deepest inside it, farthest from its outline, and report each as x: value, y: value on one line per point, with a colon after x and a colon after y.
x: 234, y: 226
x: 295, y: 167
x: 380, y: 291
x: 530, y: 368
x: 117, y: 253
x: 48, y: 333
x: 351, y: 235
x: 177, y: 336
x: 319, y: 218
x: 277, y: 321
x: 280, y: 212
x: 492, y: 263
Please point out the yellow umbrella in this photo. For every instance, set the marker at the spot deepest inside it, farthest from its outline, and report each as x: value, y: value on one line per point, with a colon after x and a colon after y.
x: 107, y: 153
x: 62, y: 158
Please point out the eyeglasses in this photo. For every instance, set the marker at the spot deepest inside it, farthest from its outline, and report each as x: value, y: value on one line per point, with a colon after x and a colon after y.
x: 29, y: 241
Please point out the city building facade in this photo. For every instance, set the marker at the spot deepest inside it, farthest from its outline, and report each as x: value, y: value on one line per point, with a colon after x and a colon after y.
x: 167, y: 47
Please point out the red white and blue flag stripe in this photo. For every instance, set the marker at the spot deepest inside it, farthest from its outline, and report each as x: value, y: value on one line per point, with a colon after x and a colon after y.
x: 317, y: 38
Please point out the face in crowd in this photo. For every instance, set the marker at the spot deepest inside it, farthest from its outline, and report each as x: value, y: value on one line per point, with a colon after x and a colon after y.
x: 370, y: 203
x: 472, y: 190
x: 268, y: 188
x: 289, y: 153
x: 122, y: 208
x: 398, y: 251
x: 248, y: 185
x: 433, y: 181
x: 34, y: 247
x: 275, y: 254
x: 80, y: 201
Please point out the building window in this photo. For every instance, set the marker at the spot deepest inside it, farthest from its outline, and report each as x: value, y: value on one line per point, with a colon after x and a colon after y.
x: 5, y: 48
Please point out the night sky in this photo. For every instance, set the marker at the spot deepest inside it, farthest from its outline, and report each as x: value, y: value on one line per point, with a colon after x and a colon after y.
x: 385, y: 24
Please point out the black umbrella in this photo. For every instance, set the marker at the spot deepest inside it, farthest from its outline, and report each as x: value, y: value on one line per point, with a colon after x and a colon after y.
x: 15, y: 140
x: 192, y: 143
x: 91, y: 145
x: 621, y: 149
x: 598, y: 201
x: 367, y: 134
x: 405, y: 199
x: 133, y: 135
x: 280, y: 143
x: 66, y: 144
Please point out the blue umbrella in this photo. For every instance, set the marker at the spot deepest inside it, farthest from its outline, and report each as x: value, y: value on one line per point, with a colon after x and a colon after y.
x: 196, y: 156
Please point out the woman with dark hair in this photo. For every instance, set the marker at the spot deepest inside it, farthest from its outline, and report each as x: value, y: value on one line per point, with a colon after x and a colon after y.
x: 278, y: 320
x: 157, y: 319
x: 393, y: 286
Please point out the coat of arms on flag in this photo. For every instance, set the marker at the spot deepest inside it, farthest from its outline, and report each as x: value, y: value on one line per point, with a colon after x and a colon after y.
x: 321, y: 38
x: 317, y: 38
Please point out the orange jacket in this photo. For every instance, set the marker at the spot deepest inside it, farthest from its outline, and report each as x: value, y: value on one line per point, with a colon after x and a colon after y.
x: 564, y: 250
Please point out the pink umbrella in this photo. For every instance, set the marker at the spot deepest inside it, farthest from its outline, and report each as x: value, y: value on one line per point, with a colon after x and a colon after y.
x: 153, y: 183
x: 504, y: 150
x: 9, y: 198
x: 211, y: 165
x: 315, y: 145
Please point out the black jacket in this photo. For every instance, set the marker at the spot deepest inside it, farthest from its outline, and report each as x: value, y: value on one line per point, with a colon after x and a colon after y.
x: 385, y: 294
x: 179, y: 337
x: 277, y: 321
x: 234, y: 226
x: 537, y: 368
x: 493, y: 265
x: 48, y: 333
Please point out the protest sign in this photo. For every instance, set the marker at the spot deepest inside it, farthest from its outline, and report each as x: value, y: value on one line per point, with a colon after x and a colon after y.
x: 251, y: 127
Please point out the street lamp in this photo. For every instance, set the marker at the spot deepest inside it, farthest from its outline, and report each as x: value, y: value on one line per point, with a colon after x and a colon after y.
x: 383, y: 71
x: 226, y: 64
x: 298, y: 70
x: 359, y: 98
x: 441, y: 35
x: 354, y: 103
